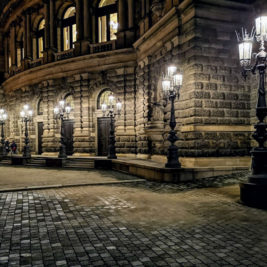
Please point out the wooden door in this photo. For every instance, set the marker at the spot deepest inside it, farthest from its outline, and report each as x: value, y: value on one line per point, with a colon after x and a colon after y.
x: 68, y: 132
x: 40, y: 137
x: 103, y: 135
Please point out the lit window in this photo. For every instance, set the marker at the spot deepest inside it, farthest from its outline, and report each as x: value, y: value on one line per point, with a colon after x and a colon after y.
x: 40, y: 38
x: 69, y: 28
x: 107, y: 20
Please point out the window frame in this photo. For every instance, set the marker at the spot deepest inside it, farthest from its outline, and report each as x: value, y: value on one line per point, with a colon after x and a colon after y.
x: 67, y: 23
x: 106, y: 11
x: 40, y: 34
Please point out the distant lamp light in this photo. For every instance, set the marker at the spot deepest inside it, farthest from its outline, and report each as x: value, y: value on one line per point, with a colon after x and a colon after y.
x: 111, y: 99
x: 68, y: 109
x: 22, y: 114
x: 178, y: 79
x: 56, y: 110
x: 104, y: 107
x: 166, y: 85
x: 26, y: 107
x: 171, y: 70
x: 118, y: 105
x: 62, y: 103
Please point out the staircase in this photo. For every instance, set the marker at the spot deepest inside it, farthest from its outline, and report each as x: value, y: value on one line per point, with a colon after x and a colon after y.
x: 36, y: 162
x: 5, y: 161
x: 79, y: 163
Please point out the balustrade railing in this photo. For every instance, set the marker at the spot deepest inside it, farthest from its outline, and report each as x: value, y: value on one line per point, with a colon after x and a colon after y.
x: 102, y: 47
x: 64, y: 54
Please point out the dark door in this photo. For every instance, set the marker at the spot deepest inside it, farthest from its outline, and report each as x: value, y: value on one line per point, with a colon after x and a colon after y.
x: 40, y: 134
x: 68, y: 131
x: 103, y: 134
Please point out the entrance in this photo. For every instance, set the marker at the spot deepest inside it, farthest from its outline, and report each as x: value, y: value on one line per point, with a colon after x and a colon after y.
x: 103, y: 135
x: 40, y: 135
x: 68, y: 131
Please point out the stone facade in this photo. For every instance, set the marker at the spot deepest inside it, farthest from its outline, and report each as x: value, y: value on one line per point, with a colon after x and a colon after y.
x: 214, y: 113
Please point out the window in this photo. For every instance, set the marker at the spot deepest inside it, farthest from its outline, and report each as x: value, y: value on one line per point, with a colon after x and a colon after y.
x: 103, y: 98
x: 40, y: 107
x: 69, y: 101
x: 107, y: 20
x: 69, y: 31
x: 40, y: 38
x: 20, y: 53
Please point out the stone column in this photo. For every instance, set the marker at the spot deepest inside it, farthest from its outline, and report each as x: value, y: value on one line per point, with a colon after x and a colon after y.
x: 130, y: 14
x: 121, y: 38
x: 13, y: 44
x: 79, y: 27
x: 52, y: 24
x: 29, y: 40
x: 87, y: 27
x: 47, y: 28
x: 6, y: 54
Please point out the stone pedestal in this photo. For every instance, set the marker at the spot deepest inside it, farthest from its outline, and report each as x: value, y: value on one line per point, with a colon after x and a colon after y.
x: 254, y: 193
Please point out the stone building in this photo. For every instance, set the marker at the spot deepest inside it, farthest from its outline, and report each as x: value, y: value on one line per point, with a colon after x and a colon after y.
x: 79, y: 50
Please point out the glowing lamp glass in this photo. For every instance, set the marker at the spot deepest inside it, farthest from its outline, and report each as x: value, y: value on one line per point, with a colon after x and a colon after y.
x: 56, y: 110
x: 68, y: 109
x: 245, y: 53
x: 30, y: 113
x: 119, y: 105
x: 4, y: 116
x: 261, y: 27
x: 22, y: 114
x: 178, y: 80
x: 171, y: 70
x: 166, y: 85
x: 111, y: 99
x: 26, y: 107
x: 104, y: 107
x: 62, y: 103
x: 1, y: 111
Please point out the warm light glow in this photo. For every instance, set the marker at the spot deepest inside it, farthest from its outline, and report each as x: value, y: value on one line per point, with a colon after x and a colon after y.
x: 119, y: 105
x: 171, y: 70
x: 22, y: 114
x: 177, y: 80
x: 111, y: 99
x: 4, y: 116
x: 261, y: 27
x: 245, y: 52
x: 30, y: 113
x: 166, y: 85
x: 104, y: 107
x: 62, y: 103
x: 26, y: 107
x: 1, y: 111
x: 56, y: 110
x: 68, y: 109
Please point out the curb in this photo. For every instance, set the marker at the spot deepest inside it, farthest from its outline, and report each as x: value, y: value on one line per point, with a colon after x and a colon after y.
x: 57, y: 186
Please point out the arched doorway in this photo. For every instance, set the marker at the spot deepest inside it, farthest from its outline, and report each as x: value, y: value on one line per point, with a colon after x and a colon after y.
x: 103, y: 125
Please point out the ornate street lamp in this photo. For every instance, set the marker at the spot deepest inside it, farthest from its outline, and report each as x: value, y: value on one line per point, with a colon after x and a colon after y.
x: 3, y: 118
x: 62, y: 112
x: 111, y: 110
x: 255, y: 191
x: 26, y: 116
x: 171, y: 85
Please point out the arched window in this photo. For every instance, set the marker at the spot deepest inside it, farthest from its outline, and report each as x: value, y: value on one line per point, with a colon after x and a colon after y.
x: 40, y: 107
x: 69, y: 101
x: 69, y: 31
x: 107, y: 20
x: 103, y: 98
x: 40, y: 38
x: 20, y: 48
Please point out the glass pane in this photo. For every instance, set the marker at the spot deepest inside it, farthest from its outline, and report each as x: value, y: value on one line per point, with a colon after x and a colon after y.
x: 9, y: 61
x: 69, y: 101
x: 74, y: 34
x: 18, y: 57
x: 40, y: 46
x: 113, y: 25
x: 41, y: 25
x: 106, y: 2
x: 66, y: 38
x: 102, y: 29
x: 70, y: 12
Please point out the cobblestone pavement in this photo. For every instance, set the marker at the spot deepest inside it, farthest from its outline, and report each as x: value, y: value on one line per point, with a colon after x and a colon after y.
x: 127, y: 225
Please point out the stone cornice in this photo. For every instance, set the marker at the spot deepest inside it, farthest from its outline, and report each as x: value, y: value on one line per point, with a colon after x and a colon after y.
x: 90, y: 63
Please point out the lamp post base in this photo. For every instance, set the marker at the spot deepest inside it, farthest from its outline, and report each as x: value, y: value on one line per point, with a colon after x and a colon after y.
x: 254, y: 195
x: 26, y: 152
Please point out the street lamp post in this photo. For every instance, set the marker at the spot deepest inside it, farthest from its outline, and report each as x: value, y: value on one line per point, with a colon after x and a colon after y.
x: 111, y: 111
x: 171, y: 85
x: 26, y: 116
x: 254, y: 193
x: 62, y: 112
x: 3, y: 117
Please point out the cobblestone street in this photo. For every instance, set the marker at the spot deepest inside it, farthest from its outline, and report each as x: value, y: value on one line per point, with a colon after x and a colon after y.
x: 133, y: 224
